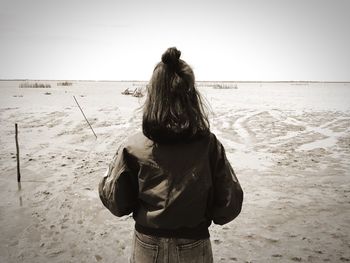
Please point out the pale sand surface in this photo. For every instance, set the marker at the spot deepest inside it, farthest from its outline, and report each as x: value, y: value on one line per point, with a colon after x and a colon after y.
x: 289, y: 145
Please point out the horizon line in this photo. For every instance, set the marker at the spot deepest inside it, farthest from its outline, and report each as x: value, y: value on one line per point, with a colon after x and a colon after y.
x: 233, y: 81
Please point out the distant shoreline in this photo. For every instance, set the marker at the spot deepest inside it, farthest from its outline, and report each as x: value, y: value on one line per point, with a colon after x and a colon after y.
x: 199, y: 81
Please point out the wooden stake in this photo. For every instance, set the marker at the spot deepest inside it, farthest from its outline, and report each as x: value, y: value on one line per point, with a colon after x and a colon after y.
x: 17, y: 155
x: 20, y: 197
x: 85, y: 116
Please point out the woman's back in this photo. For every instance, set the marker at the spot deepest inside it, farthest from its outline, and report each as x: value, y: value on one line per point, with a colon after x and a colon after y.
x: 175, y: 185
x: 174, y: 176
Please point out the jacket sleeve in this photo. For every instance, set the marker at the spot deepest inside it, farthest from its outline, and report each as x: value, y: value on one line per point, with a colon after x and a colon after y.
x: 228, y: 194
x: 118, y: 189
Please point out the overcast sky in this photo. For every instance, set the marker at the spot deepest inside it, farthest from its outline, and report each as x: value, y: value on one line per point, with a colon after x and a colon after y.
x: 221, y: 39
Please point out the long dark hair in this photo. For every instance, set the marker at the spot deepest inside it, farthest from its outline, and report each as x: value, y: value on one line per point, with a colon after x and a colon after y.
x: 174, y: 110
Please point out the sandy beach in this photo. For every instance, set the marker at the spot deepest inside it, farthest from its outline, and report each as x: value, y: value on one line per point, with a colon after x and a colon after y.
x: 289, y: 144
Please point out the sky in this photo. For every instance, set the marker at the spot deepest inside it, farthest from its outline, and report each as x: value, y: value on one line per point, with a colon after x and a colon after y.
x: 260, y: 40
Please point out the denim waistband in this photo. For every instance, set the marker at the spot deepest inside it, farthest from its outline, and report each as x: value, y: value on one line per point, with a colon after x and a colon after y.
x: 199, y: 232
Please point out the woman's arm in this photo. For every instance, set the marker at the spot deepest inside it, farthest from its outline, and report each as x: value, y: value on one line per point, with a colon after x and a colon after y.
x: 118, y: 189
x: 228, y: 194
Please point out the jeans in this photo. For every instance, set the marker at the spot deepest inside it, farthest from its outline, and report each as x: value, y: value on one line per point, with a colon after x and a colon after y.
x: 152, y: 249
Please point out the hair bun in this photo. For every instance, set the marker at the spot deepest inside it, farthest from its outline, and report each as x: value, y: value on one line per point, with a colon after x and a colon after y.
x: 171, y: 56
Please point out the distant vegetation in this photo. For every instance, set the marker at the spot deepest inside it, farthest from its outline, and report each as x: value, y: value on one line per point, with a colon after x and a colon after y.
x: 217, y: 85
x: 64, y: 83
x: 225, y: 86
x: 34, y: 85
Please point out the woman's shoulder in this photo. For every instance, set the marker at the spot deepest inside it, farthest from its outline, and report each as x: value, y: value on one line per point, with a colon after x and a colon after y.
x: 212, y: 139
x: 135, y: 138
x: 216, y: 147
x: 139, y: 142
x: 136, y: 143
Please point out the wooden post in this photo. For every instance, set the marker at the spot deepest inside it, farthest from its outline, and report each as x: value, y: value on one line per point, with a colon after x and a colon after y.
x: 20, y: 197
x: 17, y: 155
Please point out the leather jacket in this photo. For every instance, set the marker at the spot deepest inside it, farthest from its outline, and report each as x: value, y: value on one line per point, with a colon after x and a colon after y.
x: 173, y: 190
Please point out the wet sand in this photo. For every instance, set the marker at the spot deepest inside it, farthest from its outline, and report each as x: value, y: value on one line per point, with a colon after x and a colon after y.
x: 289, y: 146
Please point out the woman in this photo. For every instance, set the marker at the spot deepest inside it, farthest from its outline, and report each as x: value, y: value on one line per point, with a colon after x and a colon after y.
x: 174, y: 176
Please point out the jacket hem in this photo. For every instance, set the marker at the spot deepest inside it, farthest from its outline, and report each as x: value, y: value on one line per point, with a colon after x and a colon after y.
x: 200, y: 232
